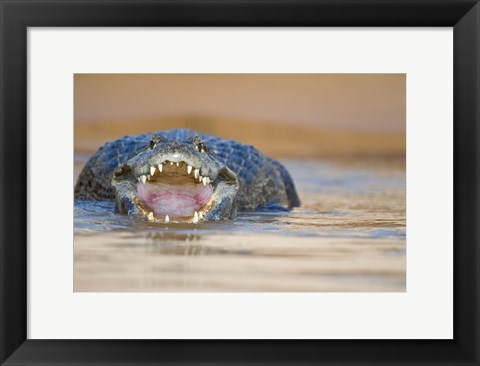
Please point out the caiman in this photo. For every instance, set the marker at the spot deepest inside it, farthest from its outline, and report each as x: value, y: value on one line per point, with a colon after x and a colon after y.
x: 184, y: 176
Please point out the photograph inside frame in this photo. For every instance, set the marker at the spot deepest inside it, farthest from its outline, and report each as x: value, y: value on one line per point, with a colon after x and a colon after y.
x: 239, y: 183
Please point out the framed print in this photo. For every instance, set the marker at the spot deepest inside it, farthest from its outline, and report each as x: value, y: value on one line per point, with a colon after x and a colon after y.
x: 239, y: 182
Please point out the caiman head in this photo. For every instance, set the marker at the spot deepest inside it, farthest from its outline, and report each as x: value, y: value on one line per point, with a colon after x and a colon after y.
x: 171, y: 181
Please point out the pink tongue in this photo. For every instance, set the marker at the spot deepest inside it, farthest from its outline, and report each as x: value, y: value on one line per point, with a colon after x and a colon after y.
x: 174, y: 200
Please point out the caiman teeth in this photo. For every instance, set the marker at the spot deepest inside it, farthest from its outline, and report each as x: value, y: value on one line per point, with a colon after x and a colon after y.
x: 167, y: 219
x: 150, y: 217
x: 195, y: 218
x: 200, y: 215
x: 155, y: 170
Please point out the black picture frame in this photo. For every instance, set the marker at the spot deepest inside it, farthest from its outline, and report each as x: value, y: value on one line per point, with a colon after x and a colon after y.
x: 17, y: 15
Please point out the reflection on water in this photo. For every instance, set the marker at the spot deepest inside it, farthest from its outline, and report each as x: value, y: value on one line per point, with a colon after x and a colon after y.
x: 348, y: 235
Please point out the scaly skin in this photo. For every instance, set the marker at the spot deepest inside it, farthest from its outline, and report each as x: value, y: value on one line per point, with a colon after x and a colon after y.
x: 245, y: 179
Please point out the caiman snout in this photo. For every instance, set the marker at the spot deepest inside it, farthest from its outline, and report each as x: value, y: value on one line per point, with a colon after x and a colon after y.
x: 175, y: 181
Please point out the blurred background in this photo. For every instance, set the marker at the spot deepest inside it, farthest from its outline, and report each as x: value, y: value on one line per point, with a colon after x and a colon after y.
x: 283, y: 115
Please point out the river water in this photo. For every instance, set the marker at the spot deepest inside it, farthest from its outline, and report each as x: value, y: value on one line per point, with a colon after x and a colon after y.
x: 348, y: 235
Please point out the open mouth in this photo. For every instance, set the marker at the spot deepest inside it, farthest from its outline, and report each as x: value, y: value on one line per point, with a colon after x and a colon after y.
x: 174, y: 192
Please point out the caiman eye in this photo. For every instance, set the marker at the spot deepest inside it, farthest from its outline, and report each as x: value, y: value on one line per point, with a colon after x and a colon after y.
x: 198, y: 144
x: 155, y: 141
x: 202, y: 147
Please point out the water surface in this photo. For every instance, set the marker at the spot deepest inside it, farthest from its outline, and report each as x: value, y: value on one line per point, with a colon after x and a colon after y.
x: 348, y: 235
